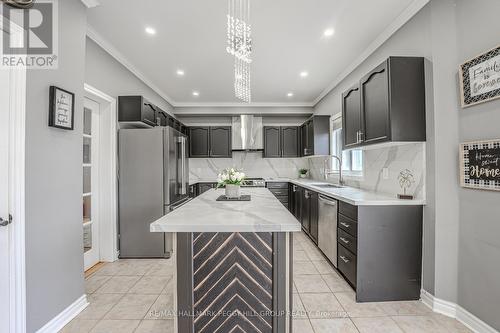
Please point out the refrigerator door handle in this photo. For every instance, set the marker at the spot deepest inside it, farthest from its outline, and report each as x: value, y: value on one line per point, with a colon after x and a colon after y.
x: 183, y: 166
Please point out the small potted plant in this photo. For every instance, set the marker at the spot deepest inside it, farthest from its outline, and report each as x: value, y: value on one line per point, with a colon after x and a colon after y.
x: 303, y: 173
x: 232, y: 180
x: 406, y: 180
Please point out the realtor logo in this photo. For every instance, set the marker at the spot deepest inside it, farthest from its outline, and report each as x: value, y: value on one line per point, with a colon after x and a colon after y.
x: 29, y: 36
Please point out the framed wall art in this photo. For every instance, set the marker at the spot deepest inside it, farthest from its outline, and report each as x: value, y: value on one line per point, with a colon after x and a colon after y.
x: 480, y: 165
x: 480, y: 78
x: 61, y: 108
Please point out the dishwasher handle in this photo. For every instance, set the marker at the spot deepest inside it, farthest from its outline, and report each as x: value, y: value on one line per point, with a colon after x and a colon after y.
x: 327, y: 201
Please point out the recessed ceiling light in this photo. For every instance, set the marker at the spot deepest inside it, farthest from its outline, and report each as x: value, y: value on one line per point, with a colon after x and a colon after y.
x: 196, y: 93
x: 180, y: 72
x: 150, y: 30
x: 290, y: 94
x: 328, y: 32
x: 304, y: 74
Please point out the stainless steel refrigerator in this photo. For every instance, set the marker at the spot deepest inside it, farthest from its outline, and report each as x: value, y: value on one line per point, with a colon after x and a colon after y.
x: 153, y: 181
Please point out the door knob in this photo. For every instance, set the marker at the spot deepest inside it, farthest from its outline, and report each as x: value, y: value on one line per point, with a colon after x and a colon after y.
x: 4, y: 223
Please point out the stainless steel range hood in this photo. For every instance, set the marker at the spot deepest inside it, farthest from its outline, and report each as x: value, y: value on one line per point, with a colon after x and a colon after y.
x: 247, y: 133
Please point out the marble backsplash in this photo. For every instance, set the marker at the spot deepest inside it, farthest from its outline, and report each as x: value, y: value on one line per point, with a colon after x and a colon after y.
x: 251, y: 163
x: 409, y: 156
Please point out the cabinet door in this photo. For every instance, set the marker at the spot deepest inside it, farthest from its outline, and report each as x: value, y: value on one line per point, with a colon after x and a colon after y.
x: 272, y: 142
x: 290, y: 141
x: 306, y: 211
x: 310, y: 137
x: 220, y: 141
x: 203, y: 187
x: 351, y: 116
x: 298, y: 194
x: 303, y: 140
x: 375, y: 105
x: 313, y: 216
x: 199, y: 143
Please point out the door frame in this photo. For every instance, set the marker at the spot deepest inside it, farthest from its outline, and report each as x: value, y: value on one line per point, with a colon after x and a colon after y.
x: 108, y: 167
x: 16, y: 188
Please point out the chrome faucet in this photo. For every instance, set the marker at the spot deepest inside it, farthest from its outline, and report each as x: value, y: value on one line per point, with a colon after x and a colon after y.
x: 330, y: 171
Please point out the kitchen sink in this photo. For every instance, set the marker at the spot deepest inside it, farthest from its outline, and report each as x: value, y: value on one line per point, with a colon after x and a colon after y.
x: 327, y: 186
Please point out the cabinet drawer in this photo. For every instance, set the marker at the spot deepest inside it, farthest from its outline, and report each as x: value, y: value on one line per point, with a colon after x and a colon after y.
x: 347, y: 264
x: 279, y: 192
x: 347, y: 241
x: 348, y: 210
x: 348, y: 225
x: 277, y: 185
x: 282, y: 199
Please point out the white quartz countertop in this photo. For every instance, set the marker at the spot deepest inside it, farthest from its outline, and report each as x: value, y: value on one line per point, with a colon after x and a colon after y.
x: 351, y: 195
x: 264, y: 213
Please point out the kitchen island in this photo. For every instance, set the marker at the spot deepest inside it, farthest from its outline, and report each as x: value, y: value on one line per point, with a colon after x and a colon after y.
x: 234, y: 263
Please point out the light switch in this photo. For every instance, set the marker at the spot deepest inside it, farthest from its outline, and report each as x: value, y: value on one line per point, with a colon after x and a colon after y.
x: 385, y: 173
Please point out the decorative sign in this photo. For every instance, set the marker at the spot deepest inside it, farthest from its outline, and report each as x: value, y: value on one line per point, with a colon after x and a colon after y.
x: 480, y: 78
x: 61, y: 109
x: 480, y: 165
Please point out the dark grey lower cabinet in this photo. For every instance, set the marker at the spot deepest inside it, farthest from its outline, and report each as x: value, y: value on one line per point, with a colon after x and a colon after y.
x: 380, y: 251
x: 203, y: 187
x: 280, y: 191
x: 305, y: 211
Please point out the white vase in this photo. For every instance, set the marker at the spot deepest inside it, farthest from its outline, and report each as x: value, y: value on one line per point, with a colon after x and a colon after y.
x: 232, y: 191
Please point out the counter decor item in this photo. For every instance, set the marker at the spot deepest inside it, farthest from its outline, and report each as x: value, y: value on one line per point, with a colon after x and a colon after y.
x: 303, y: 173
x: 232, y: 179
x: 480, y: 165
x: 480, y: 78
x: 61, y: 108
x: 406, y: 180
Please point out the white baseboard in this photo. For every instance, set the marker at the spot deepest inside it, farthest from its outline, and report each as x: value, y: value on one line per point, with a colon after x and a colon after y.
x: 456, y: 311
x: 59, y: 321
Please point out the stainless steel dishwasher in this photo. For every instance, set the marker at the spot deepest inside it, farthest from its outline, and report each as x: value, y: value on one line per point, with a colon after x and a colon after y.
x: 327, y: 227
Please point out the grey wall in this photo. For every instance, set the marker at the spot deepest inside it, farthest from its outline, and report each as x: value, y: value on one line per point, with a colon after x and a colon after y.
x: 105, y: 73
x: 479, y: 241
x: 54, y: 250
x: 461, y: 243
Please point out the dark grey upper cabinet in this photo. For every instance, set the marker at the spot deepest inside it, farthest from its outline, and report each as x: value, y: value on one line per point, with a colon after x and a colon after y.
x: 351, y: 106
x: 214, y: 142
x: 392, y: 104
x: 290, y: 141
x: 272, y: 141
x: 199, y: 141
x: 138, y: 110
x: 220, y: 142
x: 315, y: 136
x: 375, y: 104
x: 281, y: 141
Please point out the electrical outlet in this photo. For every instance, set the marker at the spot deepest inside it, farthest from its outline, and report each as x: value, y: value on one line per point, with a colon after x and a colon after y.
x: 385, y: 173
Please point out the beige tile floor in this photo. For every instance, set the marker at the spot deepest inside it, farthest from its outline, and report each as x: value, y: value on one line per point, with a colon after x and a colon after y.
x: 137, y: 296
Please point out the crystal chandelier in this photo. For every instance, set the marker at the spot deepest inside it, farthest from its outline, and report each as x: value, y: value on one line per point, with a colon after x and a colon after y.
x: 239, y: 45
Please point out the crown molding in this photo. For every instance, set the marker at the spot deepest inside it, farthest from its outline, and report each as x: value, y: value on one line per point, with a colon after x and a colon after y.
x: 109, y: 48
x: 401, y: 20
x: 91, y: 3
x: 243, y: 105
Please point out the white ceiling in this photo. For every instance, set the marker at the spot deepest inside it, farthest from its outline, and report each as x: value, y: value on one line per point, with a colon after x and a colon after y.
x: 288, y: 39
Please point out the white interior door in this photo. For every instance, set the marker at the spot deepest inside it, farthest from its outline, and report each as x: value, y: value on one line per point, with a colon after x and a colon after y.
x: 91, y: 124
x: 5, y: 247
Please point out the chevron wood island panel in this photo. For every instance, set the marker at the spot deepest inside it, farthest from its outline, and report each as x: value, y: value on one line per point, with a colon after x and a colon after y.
x: 237, y: 282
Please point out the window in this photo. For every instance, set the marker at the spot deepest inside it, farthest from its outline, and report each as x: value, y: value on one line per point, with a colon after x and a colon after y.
x: 352, y: 160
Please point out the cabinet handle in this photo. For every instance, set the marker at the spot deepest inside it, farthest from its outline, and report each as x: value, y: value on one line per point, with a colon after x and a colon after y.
x: 344, y: 259
x: 361, y: 136
x: 345, y: 224
x: 344, y: 240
